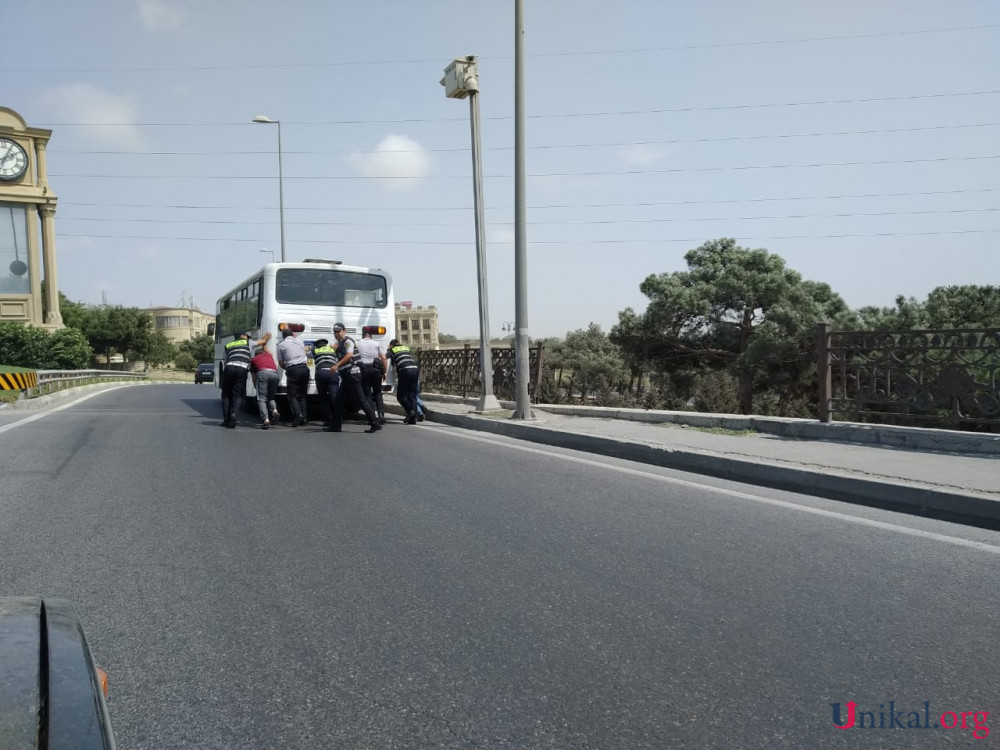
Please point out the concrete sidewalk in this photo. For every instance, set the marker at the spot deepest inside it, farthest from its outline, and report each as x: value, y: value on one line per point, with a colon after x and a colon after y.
x: 956, y: 486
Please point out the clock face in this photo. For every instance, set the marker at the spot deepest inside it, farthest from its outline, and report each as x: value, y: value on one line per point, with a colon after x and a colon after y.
x: 13, y: 160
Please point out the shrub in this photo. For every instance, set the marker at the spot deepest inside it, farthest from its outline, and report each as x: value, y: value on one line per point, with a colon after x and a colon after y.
x: 67, y: 349
x: 22, y: 346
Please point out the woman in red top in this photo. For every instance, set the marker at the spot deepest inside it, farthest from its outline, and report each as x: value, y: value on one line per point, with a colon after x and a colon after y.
x: 266, y: 371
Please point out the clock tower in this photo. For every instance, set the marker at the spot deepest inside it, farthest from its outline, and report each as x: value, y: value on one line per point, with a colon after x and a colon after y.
x: 27, y: 226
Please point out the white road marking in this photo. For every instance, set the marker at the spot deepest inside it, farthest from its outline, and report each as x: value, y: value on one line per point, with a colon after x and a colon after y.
x: 47, y: 412
x: 958, y: 541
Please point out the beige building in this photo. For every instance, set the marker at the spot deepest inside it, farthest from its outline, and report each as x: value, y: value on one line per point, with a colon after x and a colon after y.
x: 417, y: 326
x: 179, y: 323
x: 27, y: 226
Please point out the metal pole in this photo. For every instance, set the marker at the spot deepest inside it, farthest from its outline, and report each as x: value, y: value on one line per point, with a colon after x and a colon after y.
x: 522, y: 408
x: 487, y: 399
x: 281, y: 196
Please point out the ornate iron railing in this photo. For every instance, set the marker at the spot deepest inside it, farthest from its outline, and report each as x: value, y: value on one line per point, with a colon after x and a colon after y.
x: 456, y: 371
x: 950, y: 378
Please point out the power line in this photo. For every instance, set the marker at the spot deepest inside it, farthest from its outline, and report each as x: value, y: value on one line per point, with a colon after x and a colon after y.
x: 587, y: 222
x: 644, y: 204
x: 578, y: 53
x: 535, y: 242
x: 665, y: 110
x: 596, y: 173
x: 663, y: 142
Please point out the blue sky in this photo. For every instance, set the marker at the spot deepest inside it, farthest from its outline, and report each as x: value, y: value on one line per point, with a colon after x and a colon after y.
x: 653, y: 127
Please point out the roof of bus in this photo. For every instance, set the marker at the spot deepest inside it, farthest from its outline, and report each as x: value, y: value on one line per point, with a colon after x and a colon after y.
x: 332, y: 264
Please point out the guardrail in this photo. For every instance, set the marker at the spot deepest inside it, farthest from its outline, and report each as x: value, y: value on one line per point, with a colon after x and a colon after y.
x: 50, y: 381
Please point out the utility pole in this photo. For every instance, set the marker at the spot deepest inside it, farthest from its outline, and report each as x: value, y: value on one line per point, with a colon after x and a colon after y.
x: 522, y: 408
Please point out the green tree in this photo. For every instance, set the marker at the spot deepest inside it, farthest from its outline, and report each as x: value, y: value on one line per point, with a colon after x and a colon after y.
x: 125, y: 330
x: 964, y: 307
x: 734, y: 310
x: 593, y: 362
x: 201, y: 347
x: 157, y: 350
x: 447, y: 338
x: 908, y: 313
x: 185, y: 361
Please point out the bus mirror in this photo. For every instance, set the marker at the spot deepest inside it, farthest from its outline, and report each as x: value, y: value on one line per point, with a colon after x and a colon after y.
x: 211, y: 329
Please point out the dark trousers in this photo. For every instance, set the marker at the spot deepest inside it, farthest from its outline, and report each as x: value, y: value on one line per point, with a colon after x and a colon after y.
x: 234, y: 390
x: 297, y: 380
x: 327, y: 386
x: 350, y: 387
x: 371, y: 381
x: 407, y: 389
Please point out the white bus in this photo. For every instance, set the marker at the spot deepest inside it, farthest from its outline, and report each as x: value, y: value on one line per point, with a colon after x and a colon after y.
x: 307, y: 298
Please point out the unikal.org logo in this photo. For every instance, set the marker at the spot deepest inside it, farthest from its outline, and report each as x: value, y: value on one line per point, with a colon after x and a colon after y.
x: 887, y: 717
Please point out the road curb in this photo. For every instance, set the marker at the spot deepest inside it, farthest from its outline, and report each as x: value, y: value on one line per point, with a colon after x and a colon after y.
x: 970, y: 509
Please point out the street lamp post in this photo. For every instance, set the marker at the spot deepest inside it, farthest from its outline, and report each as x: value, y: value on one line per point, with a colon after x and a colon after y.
x: 265, y: 250
x: 508, y: 327
x: 461, y: 80
x: 281, y: 190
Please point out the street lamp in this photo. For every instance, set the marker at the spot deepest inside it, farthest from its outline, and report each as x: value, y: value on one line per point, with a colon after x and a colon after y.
x: 281, y: 192
x: 461, y: 79
x: 268, y: 251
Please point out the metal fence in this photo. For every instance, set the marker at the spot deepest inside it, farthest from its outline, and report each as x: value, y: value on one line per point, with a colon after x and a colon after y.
x: 456, y: 371
x: 937, y: 378
x: 55, y: 380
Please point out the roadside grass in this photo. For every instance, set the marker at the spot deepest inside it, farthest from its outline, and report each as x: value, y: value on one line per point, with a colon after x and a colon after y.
x: 10, y: 368
x: 9, y: 397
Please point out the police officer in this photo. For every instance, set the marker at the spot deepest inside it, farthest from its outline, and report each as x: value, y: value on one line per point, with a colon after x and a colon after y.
x: 407, y: 376
x: 234, y: 375
x: 348, y: 364
x: 327, y: 377
x: 292, y: 358
x: 373, y: 370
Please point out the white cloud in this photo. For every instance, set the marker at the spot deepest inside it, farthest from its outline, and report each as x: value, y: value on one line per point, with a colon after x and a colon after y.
x: 157, y: 15
x: 641, y: 153
x: 84, y: 103
x: 395, y: 157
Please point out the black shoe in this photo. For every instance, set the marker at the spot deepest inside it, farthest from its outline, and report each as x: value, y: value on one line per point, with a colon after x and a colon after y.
x: 331, y: 429
x: 266, y: 426
x: 420, y: 417
x: 381, y: 420
x: 303, y: 421
x: 373, y: 428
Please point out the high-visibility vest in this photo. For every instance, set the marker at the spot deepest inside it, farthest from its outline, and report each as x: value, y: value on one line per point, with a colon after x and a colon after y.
x: 402, y: 358
x: 238, y: 353
x: 324, y: 357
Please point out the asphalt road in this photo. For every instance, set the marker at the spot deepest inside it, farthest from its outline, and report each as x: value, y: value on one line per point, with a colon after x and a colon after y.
x: 429, y: 587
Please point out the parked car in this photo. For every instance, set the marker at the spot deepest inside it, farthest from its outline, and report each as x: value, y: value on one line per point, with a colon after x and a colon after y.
x: 205, y: 373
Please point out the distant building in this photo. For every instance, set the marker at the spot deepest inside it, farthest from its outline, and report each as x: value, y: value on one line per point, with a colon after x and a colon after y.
x: 180, y: 323
x: 417, y: 326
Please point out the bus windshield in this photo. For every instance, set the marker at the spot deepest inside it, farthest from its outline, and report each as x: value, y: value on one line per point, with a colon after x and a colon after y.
x: 330, y: 287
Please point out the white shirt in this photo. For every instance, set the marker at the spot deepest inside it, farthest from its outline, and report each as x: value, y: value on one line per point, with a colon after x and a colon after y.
x: 370, y: 350
x: 291, y: 351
